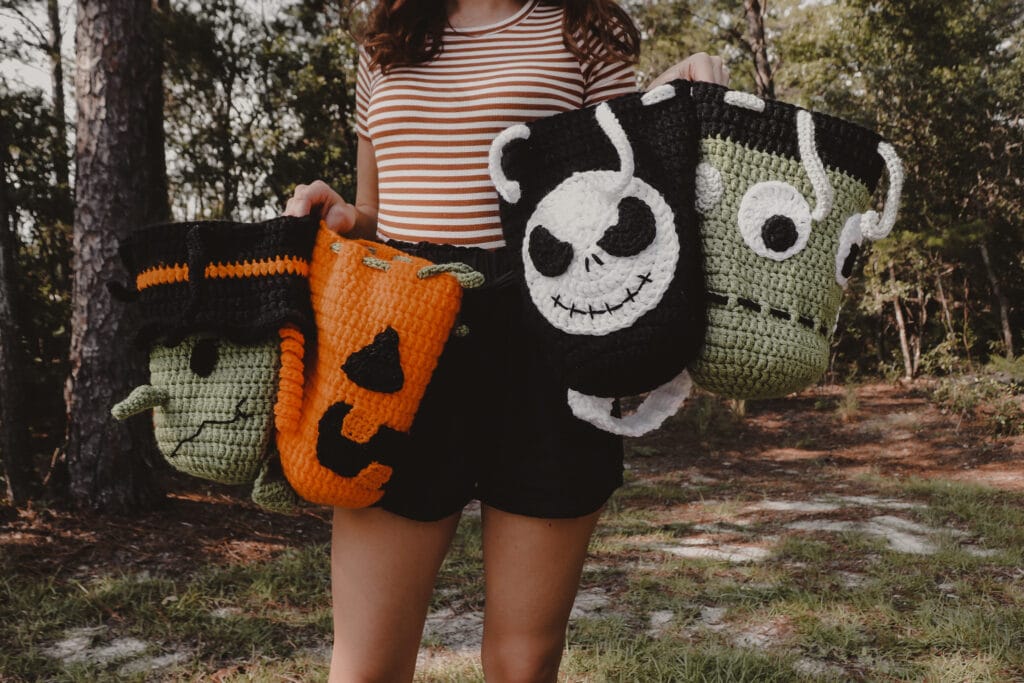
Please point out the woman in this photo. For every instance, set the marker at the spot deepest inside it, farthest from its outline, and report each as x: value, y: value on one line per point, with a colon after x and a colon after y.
x: 437, y: 81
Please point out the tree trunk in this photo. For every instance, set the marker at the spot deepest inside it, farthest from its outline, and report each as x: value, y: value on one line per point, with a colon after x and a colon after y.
x: 61, y: 163
x: 118, y: 187
x: 901, y: 325
x: 1004, y: 303
x: 755, y: 11
x: 22, y: 480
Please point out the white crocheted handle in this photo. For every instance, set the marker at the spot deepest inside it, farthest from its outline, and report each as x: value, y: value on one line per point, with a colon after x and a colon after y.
x: 660, y: 404
x: 875, y: 226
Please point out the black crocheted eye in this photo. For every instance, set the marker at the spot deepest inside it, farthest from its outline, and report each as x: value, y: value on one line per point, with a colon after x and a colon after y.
x: 377, y: 366
x: 204, y: 357
x: 633, y: 233
x: 550, y: 255
x: 779, y: 233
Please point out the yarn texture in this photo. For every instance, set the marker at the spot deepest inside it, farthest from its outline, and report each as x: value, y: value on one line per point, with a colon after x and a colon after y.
x: 599, y: 203
x: 218, y: 305
x: 383, y: 318
x: 783, y: 195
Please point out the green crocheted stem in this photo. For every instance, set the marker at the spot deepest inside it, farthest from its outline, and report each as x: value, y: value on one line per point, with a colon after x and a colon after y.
x: 141, y: 399
x: 466, y: 276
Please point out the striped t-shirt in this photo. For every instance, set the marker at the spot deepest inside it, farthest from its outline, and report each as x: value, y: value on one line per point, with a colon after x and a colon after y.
x: 432, y: 124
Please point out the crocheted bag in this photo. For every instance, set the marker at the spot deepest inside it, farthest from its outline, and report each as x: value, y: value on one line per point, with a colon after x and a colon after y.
x: 599, y: 203
x: 383, y: 318
x: 783, y: 195
x: 216, y: 342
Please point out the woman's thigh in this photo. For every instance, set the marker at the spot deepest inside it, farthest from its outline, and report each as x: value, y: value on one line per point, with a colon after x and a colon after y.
x: 532, y: 568
x: 383, y: 569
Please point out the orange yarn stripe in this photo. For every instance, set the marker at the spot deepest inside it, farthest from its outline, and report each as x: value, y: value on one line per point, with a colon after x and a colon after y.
x: 278, y: 265
x: 161, y: 275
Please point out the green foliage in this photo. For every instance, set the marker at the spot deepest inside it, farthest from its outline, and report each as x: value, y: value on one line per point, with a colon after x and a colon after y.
x: 41, y: 288
x: 995, y: 393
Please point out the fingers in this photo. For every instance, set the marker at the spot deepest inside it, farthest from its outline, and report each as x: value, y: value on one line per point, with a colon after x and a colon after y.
x: 335, y: 212
x: 704, y: 67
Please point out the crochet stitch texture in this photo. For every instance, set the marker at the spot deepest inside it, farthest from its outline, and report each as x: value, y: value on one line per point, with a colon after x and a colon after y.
x: 383, y: 318
x: 783, y: 195
x: 216, y: 303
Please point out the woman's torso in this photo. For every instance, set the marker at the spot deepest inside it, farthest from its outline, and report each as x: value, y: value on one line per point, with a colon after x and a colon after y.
x: 432, y: 124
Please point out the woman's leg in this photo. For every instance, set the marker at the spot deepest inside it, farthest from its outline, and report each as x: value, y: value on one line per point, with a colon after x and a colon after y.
x: 383, y: 568
x: 532, y: 568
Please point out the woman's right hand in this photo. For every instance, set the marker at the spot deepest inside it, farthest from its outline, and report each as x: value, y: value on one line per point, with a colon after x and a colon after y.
x: 337, y: 214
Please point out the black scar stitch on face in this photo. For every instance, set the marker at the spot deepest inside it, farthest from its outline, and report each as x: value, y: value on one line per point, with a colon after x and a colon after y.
x: 204, y: 357
x: 803, y: 320
x: 633, y: 233
x: 239, y: 415
x: 377, y: 366
x: 550, y: 255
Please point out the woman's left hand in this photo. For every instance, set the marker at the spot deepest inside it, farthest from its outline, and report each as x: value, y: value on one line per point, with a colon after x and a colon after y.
x: 698, y: 67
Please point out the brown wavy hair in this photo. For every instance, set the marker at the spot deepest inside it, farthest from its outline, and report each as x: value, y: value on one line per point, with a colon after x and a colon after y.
x: 407, y: 32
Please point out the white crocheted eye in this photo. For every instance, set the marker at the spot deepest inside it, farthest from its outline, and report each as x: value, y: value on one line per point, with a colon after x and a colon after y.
x: 774, y: 220
x: 849, y: 249
x: 709, y: 187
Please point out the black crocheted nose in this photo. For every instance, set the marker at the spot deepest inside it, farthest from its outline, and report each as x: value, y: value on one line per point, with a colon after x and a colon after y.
x: 203, y: 360
x: 850, y: 260
x: 633, y: 233
x: 550, y: 255
x: 779, y: 233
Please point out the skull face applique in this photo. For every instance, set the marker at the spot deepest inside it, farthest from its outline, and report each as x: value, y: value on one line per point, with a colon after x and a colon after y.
x: 599, y: 205
x: 782, y: 194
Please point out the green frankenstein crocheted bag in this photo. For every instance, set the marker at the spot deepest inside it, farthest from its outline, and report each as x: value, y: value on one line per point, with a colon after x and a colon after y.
x: 215, y: 302
x: 783, y: 196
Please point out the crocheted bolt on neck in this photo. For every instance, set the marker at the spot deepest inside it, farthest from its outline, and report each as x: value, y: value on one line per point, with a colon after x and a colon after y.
x: 610, y: 263
x: 216, y: 301
x: 783, y: 195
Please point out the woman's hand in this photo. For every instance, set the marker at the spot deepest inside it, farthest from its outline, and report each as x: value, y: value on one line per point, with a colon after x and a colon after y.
x: 698, y: 67
x: 335, y: 212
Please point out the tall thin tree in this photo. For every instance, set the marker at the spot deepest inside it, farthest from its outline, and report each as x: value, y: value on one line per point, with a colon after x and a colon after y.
x: 119, y: 154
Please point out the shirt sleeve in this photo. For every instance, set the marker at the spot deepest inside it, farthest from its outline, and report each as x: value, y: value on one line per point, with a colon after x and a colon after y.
x: 602, y: 80
x: 364, y: 88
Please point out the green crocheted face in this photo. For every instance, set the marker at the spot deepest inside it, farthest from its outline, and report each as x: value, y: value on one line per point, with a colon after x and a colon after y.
x: 775, y: 274
x: 217, y: 418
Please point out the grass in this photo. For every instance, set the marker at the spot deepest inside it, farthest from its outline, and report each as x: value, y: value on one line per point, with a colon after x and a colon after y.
x: 949, y: 616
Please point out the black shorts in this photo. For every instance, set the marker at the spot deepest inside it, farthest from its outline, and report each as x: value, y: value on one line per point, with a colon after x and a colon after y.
x: 494, y: 423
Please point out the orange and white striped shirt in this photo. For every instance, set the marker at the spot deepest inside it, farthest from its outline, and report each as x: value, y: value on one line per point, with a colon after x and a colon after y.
x: 432, y: 124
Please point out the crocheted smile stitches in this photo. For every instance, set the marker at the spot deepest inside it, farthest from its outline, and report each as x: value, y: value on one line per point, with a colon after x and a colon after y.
x: 382, y: 321
x: 782, y: 194
x: 599, y: 203
x: 216, y: 343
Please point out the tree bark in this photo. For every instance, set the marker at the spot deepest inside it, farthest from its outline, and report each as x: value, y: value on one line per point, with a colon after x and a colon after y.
x: 61, y: 162
x: 22, y: 479
x: 755, y: 11
x: 901, y: 325
x: 1003, y: 301
x: 119, y: 186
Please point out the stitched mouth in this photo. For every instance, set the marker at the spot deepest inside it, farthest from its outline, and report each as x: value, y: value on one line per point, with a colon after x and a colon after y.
x: 608, y: 308
x: 239, y: 415
x: 759, y: 307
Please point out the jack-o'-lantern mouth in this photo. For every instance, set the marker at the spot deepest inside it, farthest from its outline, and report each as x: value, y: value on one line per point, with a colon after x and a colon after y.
x: 736, y: 303
x: 238, y: 416
x: 609, y: 309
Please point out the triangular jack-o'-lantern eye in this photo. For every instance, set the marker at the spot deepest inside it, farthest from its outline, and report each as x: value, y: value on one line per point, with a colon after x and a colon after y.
x: 377, y: 366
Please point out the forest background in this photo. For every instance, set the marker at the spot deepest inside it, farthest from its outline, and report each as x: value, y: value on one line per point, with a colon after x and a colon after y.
x: 242, y: 100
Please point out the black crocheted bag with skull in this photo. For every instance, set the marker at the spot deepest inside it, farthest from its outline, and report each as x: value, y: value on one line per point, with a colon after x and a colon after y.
x: 599, y: 203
